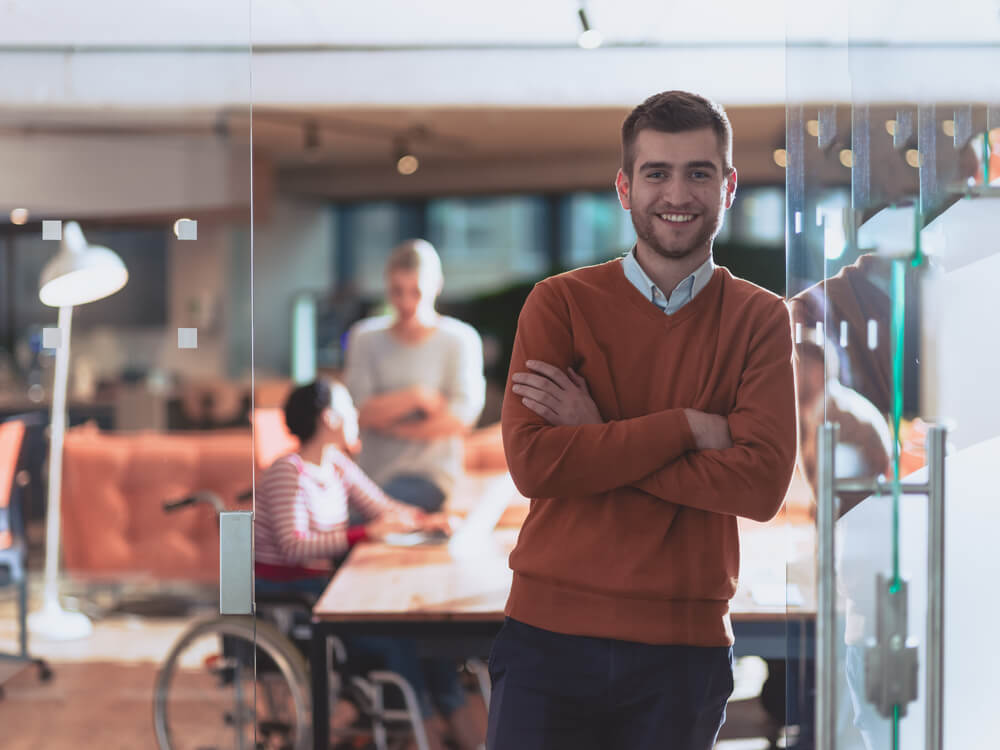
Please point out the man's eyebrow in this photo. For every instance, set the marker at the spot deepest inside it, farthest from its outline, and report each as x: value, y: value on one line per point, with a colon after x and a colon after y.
x: 688, y: 165
x: 655, y: 165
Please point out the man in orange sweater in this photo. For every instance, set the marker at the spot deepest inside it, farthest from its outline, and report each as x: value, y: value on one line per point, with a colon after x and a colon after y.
x: 651, y: 401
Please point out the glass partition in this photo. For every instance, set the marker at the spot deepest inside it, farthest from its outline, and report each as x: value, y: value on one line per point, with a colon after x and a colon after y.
x: 891, y: 236
x: 125, y: 259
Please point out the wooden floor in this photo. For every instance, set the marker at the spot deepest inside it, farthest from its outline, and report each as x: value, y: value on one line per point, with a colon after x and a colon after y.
x: 99, y: 705
x: 109, y: 705
x: 101, y: 692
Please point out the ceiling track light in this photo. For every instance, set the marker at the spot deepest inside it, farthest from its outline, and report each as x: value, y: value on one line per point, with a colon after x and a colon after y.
x: 310, y: 139
x: 590, y: 38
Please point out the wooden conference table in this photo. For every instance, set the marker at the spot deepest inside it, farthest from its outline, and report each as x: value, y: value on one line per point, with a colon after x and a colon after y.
x: 451, y: 600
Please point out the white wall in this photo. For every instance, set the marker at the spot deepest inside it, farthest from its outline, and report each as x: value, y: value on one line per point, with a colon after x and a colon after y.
x: 122, y: 175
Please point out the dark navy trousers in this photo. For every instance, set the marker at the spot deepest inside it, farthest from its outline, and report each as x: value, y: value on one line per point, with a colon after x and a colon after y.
x: 566, y: 692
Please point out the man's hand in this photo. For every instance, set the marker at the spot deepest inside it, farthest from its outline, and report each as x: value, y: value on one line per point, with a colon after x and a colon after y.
x: 560, y: 398
x: 711, y: 432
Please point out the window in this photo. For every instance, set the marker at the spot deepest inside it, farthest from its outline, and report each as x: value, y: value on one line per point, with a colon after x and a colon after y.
x: 488, y: 243
x: 597, y: 228
x: 141, y: 303
x: 758, y: 217
x: 373, y: 230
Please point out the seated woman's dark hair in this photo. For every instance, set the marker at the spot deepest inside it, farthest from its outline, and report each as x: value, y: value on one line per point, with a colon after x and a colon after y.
x: 304, y: 406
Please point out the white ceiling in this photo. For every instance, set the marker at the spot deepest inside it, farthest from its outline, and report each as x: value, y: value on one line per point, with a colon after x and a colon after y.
x: 499, y: 78
x: 481, y: 22
x: 196, y: 54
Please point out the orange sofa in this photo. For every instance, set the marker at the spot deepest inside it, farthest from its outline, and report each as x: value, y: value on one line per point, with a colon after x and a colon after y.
x: 114, y: 486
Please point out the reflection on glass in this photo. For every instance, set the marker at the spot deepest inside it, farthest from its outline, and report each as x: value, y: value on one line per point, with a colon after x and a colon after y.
x: 134, y: 139
x: 883, y: 294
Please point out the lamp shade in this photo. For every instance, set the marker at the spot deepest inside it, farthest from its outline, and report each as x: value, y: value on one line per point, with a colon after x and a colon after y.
x: 80, y: 273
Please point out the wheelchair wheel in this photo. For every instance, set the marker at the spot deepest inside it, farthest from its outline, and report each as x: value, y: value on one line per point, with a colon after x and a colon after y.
x: 230, y: 683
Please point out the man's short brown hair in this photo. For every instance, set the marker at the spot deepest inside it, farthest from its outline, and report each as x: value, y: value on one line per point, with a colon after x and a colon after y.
x: 676, y: 112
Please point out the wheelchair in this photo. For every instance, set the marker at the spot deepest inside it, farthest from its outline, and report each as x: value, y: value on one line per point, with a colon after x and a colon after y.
x: 242, y: 683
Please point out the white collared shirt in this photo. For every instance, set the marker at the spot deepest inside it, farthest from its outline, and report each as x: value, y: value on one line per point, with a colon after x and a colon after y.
x: 683, y: 293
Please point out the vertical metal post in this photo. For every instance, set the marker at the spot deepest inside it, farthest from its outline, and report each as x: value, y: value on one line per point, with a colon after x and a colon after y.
x: 936, y: 439
x: 826, y: 605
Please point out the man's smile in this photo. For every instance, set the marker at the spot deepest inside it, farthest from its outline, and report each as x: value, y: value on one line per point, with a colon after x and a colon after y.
x: 677, y: 218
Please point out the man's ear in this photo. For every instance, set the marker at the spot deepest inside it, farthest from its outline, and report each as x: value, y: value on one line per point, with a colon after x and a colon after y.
x: 730, y: 187
x: 622, y: 188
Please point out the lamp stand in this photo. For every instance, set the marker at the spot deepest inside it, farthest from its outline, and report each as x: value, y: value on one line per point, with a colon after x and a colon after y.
x: 52, y: 621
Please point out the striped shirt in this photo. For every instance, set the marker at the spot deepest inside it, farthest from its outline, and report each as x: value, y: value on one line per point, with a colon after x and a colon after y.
x: 301, y: 509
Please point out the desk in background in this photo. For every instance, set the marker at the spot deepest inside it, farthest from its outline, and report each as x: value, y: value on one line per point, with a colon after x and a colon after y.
x: 452, y: 603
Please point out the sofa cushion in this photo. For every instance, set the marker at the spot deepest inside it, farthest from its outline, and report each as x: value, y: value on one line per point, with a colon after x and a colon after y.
x: 114, y: 486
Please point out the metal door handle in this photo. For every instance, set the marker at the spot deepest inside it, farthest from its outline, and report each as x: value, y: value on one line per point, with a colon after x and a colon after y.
x: 826, y: 602
x: 826, y: 641
x: 934, y: 729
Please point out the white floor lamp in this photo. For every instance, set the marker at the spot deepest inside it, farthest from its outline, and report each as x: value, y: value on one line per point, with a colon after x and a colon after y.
x: 78, y: 274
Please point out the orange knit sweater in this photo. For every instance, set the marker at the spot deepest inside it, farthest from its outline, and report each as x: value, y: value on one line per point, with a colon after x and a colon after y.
x: 632, y: 532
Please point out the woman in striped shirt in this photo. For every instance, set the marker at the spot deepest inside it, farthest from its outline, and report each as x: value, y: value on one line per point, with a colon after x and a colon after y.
x: 301, y: 525
x: 303, y: 499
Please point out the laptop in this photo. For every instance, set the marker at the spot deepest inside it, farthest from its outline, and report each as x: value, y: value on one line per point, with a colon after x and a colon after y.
x: 476, y: 526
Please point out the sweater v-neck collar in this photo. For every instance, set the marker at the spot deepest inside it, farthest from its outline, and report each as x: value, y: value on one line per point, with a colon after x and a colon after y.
x: 627, y: 291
